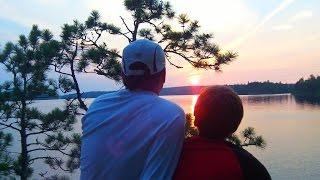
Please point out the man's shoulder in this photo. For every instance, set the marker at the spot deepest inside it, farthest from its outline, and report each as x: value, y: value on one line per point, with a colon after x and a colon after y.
x: 103, y: 99
x: 109, y: 94
x: 168, y: 105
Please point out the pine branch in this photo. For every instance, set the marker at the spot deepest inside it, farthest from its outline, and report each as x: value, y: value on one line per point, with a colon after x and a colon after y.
x: 49, y: 149
x: 248, y: 144
x: 123, y: 21
x: 39, y: 132
x: 171, y: 63
x: 10, y: 126
x: 59, y: 71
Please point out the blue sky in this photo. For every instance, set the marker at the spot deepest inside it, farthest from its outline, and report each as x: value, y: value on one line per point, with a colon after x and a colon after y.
x: 277, y: 40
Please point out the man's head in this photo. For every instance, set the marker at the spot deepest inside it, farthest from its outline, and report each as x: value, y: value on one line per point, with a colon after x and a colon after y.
x: 218, y: 112
x: 143, y: 66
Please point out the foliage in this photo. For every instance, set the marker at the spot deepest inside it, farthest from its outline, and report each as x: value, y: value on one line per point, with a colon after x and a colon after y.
x: 179, y: 35
x: 83, y: 50
x: 190, y: 129
x: 247, y: 137
x: 309, y: 88
x: 6, y: 161
x: 28, y: 62
x: 266, y: 87
x: 57, y: 177
x: 79, y: 51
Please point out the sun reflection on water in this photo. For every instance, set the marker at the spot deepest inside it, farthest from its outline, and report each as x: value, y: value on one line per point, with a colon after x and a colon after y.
x: 193, y: 103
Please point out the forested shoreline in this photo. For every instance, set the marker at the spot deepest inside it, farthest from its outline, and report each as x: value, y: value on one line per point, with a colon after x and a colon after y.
x: 308, y: 88
x: 251, y: 88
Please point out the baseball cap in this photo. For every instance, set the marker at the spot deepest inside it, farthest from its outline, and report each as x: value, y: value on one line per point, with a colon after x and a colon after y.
x: 145, y: 52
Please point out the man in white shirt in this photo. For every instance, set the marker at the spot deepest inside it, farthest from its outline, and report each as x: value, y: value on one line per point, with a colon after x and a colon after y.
x: 133, y: 133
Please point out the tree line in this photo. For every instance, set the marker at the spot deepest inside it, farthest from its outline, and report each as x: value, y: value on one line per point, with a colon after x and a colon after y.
x: 266, y: 87
x: 308, y: 88
x: 302, y: 88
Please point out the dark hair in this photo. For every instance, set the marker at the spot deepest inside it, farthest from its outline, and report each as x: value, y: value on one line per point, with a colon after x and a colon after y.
x: 218, y: 112
x: 147, y: 81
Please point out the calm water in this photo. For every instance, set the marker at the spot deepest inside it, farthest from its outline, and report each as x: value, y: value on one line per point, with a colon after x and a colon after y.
x: 291, y: 129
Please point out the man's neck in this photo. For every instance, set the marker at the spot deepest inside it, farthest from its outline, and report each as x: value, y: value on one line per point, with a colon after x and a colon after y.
x: 145, y: 90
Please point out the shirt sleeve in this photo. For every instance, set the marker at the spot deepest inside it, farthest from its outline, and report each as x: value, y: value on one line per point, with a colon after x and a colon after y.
x: 165, y: 151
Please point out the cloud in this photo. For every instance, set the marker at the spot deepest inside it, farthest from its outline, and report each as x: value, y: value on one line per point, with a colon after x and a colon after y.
x: 50, y: 2
x: 305, y: 14
x: 218, y: 16
x: 254, y: 30
x: 284, y: 27
x: 315, y: 37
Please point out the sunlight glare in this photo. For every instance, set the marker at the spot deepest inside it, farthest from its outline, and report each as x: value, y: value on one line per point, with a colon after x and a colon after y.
x: 194, y: 80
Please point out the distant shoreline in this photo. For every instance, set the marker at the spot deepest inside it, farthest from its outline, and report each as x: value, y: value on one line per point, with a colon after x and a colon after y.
x: 281, y: 94
x: 256, y: 88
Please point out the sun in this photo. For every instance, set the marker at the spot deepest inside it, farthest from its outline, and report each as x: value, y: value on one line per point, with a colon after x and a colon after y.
x: 194, y: 80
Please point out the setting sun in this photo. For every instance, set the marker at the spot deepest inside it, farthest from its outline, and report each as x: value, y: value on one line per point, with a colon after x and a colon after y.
x: 194, y: 80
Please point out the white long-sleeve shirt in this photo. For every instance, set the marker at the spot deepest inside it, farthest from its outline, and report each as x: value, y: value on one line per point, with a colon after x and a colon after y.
x: 131, y: 135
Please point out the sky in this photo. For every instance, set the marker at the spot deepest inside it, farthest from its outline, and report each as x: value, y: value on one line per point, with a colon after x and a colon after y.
x: 277, y: 40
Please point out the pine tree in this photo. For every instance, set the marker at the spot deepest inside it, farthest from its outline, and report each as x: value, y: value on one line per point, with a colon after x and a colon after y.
x: 84, y: 50
x: 28, y: 63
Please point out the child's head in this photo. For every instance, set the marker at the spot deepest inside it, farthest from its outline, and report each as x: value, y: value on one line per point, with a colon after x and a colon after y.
x: 218, y: 112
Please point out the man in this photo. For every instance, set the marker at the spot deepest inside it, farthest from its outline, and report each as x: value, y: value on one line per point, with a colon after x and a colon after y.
x: 133, y: 133
x: 218, y: 113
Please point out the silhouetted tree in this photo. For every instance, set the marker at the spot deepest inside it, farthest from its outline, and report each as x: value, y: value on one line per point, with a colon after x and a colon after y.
x: 28, y: 62
x: 84, y: 50
x: 248, y: 137
x: 309, y: 88
x: 265, y: 87
x: 153, y: 19
x: 75, y: 47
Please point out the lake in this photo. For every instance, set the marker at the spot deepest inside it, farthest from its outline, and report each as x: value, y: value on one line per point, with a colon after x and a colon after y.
x: 291, y: 129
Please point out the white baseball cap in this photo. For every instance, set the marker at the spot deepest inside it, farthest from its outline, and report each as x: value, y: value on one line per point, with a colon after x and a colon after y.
x: 143, y: 51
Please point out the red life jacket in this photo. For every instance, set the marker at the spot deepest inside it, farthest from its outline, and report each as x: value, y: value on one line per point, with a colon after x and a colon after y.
x: 205, y: 159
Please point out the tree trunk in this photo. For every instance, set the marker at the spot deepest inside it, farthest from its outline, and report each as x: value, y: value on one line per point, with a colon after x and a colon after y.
x: 82, y: 104
x: 23, y: 134
x: 135, y: 31
x: 24, y: 153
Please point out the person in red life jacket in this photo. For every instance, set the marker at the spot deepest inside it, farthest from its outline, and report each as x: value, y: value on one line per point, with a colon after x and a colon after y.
x: 218, y: 113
